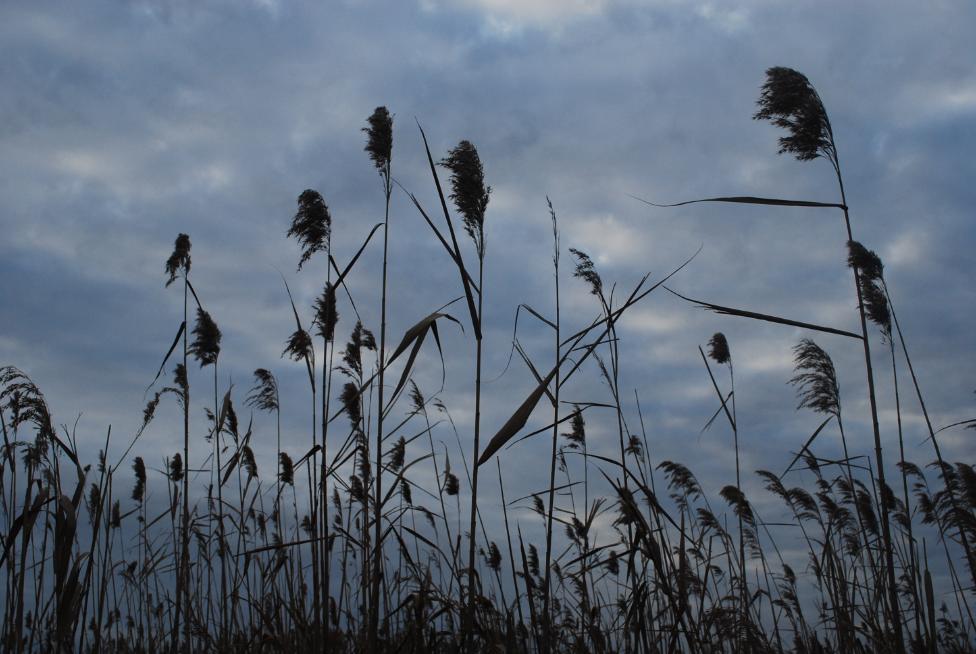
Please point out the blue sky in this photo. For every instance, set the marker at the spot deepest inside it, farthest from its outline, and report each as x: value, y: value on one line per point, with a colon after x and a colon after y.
x: 123, y: 124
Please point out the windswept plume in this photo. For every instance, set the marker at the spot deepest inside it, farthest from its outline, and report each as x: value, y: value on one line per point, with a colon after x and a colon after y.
x: 872, y: 280
x: 299, y: 346
x: 468, y: 191
x: 788, y: 100
x: 586, y: 272
x: 312, y: 225
x: 815, y: 378
x: 264, y: 394
x: 865, y: 260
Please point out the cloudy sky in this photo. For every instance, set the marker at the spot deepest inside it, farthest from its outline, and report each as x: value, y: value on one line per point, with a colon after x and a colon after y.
x: 124, y: 124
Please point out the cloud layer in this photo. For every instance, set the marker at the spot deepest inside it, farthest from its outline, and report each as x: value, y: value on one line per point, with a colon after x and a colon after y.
x: 122, y: 126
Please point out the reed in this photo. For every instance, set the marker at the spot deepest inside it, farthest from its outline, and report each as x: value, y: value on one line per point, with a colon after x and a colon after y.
x: 367, y: 536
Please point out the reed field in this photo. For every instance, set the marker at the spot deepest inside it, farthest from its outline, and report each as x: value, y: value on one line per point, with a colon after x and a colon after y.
x: 370, y: 537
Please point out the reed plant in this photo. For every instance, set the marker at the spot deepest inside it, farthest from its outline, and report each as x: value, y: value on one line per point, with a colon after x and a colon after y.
x: 372, y: 532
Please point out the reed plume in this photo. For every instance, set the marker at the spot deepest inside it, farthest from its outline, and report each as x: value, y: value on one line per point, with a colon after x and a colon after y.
x: 179, y: 260
x: 139, y: 490
x: 264, y: 394
x: 286, y: 469
x: 379, y: 143
x: 326, y: 314
x: 815, y: 379
x: 788, y: 100
x: 298, y: 347
x: 206, y: 343
x: 718, y: 349
x: 312, y: 225
x: 469, y: 193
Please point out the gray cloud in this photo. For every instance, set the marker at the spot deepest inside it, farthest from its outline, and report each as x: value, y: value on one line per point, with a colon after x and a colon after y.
x: 122, y: 126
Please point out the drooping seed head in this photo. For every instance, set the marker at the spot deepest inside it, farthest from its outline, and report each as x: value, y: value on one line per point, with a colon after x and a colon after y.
x: 299, y: 346
x: 179, y: 261
x: 788, y: 100
x: 264, y: 394
x: 312, y: 225
x: 865, y: 260
x: 815, y: 379
x: 876, y: 305
x: 587, y: 272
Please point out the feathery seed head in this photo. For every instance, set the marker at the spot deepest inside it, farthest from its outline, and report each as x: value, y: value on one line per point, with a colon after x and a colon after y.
x: 139, y: 467
x: 865, y: 260
x: 299, y: 346
x: 586, y: 272
x: 577, y: 433
x: 179, y: 261
x: 468, y: 191
x: 718, y: 348
x: 494, y: 557
x: 788, y: 100
x: 248, y: 462
x: 350, y: 402
x: 264, y: 394
x: 312, y: 225
x: 380, y: 142
x: 398, y: 454
x: 451, y: 484
x: 286, y: 469
x: 206, y: 343
x: 176, y: 468
x: 815, y: 378
x: 326, y: 315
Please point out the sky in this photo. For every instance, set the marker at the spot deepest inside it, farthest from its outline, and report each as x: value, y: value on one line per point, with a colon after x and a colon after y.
x: 125, y: 124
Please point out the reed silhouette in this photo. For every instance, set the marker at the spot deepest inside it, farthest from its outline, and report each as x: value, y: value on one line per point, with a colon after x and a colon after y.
x: 371, y: 536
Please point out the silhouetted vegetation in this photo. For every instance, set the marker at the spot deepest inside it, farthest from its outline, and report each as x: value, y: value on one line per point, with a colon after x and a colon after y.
x: 360, y: 541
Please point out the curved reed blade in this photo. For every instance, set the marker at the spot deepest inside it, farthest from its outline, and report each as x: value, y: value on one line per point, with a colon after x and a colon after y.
x: 729, y: 311
x: 748, y: 199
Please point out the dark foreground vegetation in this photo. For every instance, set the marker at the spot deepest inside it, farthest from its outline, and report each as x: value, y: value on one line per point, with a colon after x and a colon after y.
x: 360, y: 542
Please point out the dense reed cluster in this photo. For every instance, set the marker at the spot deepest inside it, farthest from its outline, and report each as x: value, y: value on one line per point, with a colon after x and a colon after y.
x: 369, y: 538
